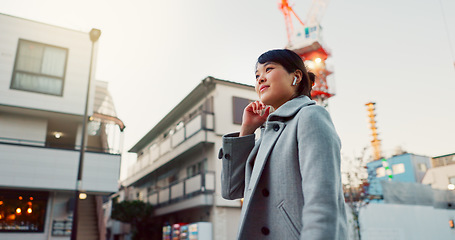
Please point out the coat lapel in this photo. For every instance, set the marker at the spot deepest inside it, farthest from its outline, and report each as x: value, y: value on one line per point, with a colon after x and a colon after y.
x: 266, y: 146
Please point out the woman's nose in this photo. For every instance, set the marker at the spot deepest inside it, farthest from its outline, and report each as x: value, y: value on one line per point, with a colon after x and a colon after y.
x: 261, y: 79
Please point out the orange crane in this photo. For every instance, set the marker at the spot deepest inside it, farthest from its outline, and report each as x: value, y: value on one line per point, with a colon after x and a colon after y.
x: 306, y: 42
x: 375, y: 143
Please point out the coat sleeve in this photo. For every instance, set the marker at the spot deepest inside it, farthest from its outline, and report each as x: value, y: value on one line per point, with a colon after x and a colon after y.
x: 234, y: 154
x: 323, y: 213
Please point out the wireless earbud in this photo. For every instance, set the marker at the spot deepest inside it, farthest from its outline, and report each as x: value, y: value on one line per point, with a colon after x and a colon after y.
x: 294, y: 82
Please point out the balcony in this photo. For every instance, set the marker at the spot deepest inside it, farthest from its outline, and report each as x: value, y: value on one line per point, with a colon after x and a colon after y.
x: 190, y: 192
x: 184, y: 138
x: 30, y: 164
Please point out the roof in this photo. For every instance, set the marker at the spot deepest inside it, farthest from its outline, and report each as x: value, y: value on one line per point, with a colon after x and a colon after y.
x: 197, y: 94
x: 30, y: 20
x: 444, y: 155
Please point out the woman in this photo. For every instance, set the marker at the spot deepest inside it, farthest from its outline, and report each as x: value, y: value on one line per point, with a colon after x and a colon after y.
x: 290, y: 177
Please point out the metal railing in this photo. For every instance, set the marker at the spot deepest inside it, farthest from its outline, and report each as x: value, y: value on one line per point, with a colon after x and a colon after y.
x: 202, y: 183
x: 53, y: 145
x: 204, y: 121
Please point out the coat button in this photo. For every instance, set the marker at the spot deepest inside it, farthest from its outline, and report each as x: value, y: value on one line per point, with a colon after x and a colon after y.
x: 220, y: 153
x: 265, y: 231
x: 265, y: 192
x: 276, y: 127
x: 227, y: 156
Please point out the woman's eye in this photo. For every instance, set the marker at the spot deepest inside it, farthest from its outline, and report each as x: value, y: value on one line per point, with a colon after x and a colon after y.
x: 268, y: 69
x: 257, y: 76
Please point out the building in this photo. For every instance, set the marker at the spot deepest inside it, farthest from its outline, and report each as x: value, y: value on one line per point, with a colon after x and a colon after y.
x: 44, y: 76
x: 178, y: 169
x: 406, y: 167
x: 442, y: 174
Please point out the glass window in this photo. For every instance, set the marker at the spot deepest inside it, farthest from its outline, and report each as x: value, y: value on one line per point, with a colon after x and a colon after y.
x: 22, y: 211
x: 398, y: 168
x: 380, y: 172
x: 39, y: 68
x: 452, y: 180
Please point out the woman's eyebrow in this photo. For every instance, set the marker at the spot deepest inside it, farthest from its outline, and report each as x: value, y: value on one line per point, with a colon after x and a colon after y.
x: 265, y: 65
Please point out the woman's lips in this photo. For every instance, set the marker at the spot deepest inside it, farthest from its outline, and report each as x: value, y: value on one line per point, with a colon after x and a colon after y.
x: 263, y: 88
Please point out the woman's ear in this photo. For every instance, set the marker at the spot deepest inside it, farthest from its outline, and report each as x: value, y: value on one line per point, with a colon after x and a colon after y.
x: 298, y: 73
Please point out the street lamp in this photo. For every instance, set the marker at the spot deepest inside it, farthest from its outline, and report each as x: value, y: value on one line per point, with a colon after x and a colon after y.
x: 94, y: 36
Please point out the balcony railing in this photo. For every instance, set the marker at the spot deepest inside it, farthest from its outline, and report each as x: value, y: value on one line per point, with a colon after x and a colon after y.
x: 24, y: 142
x: 56, y: 168
x: 204, y: 121
x: 202, y: 183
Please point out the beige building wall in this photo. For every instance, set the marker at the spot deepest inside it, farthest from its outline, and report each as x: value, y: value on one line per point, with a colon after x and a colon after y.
x: 438, y: 177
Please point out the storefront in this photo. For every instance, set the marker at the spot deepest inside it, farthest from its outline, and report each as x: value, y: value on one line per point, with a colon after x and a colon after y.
x: 23, y: 211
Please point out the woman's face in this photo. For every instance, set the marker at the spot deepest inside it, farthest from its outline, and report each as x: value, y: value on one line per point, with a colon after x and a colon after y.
x: 274, y: 84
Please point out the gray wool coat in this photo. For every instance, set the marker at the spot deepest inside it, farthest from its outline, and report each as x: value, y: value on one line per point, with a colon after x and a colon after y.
x: 289, y: 178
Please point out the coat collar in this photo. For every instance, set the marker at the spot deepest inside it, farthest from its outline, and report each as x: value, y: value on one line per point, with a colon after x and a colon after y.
x: 291, y: 107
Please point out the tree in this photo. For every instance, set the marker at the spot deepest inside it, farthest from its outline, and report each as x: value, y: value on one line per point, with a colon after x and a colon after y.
x: 356, y: 187
x: 140, y: 215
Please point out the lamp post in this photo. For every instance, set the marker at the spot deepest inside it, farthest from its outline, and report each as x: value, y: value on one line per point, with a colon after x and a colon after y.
x: 94, y: 36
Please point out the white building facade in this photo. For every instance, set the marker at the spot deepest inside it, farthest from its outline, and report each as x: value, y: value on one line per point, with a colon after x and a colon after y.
x: 44, y: 76
x: 442, y: 174
x: 178, y: 169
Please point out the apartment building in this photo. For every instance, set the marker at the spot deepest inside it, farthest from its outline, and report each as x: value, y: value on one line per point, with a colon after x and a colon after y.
x: 44, y: 76
x: 178, y: 169
x: 442, y: 174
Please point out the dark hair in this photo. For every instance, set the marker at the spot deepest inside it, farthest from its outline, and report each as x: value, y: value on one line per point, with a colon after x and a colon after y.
x: 291, y: 61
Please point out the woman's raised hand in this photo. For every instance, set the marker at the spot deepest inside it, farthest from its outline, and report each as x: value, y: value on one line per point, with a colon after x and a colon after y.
x: 253, y: 117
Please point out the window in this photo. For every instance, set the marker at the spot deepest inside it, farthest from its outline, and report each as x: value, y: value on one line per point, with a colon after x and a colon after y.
x: 380, y: 172
x: 39, y: 68
x: 398, y: 168
x: 196, y: 169
x: 452, y: 180
x: 238, y: 105
x: 22, y: 211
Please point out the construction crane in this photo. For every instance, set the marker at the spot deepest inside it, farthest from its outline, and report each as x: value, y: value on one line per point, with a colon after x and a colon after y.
x: 375, y: 143
x: 306, y: 41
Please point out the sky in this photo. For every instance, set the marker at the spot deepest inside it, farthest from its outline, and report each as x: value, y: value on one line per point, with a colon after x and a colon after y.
x: 399, y: 54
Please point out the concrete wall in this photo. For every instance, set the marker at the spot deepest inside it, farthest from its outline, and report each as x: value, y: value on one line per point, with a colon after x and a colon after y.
x: 438, y: 177
x: 77, y: 69
x: 405, y: 222
x: 19, y: 127
x: 224, y: 106
x: 46, y: 168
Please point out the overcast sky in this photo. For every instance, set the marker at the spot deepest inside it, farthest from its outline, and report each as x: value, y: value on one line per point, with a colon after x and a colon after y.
x: 399, y: 54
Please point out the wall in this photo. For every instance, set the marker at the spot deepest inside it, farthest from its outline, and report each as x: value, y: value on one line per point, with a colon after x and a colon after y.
x: 77, y: 69
x: 405, y: 222
x: 416, y: 159
x: 23, y: 128
x: 223, y: 106
x: 46, y: 168
x: 438, y: 177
